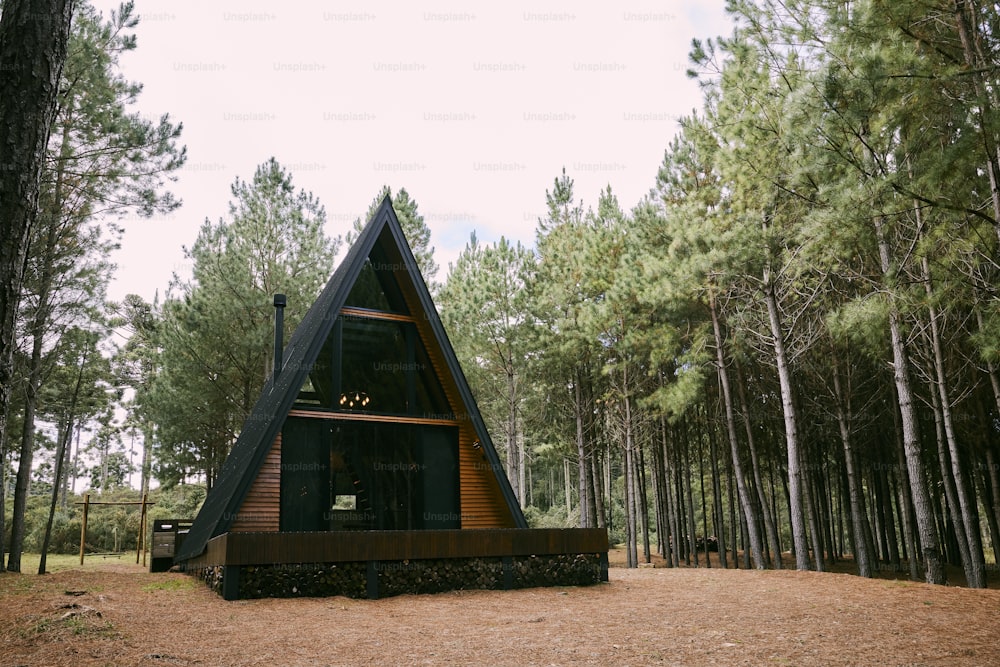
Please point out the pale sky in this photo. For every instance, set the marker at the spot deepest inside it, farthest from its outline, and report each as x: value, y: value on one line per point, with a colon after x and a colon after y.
x: 473, y: 108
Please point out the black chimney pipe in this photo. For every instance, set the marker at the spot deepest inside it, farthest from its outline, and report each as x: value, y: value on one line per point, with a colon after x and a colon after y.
x: 279, y: 327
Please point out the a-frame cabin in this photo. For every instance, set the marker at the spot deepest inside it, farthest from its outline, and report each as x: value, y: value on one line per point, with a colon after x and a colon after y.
x: 365, y: 468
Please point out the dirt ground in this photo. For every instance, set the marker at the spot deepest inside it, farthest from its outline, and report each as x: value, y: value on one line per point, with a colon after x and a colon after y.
x: 117, y: 614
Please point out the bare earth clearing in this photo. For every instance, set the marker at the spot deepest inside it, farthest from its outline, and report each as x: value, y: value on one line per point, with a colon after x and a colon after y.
x: 127, y: 616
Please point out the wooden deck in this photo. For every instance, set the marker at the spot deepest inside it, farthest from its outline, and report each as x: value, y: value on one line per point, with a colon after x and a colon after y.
x: 267, y: 548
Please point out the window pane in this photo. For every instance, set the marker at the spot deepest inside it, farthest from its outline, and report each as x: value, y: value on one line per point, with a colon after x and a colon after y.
x: 374, y: 366
x: 376, y: 287
x: 430, y: 400
x: 339, y: 475
x: 317, y: 389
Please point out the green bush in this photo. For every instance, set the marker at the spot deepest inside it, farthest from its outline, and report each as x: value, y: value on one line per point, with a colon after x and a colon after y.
x: 555, y: 517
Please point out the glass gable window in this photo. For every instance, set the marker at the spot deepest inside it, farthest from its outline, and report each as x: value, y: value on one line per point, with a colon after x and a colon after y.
x: 376, y: 287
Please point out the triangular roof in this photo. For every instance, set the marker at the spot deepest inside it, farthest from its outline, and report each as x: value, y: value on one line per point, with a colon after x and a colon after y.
x: 259, y: 431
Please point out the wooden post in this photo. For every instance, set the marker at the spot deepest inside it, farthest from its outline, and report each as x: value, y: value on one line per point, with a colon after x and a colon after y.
x: 371, y: 580
x: 145, y: 525
x: 140, y: 542
x: 83, y: 524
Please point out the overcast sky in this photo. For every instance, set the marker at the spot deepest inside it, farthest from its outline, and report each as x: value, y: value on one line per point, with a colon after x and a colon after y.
x: 473, y: 108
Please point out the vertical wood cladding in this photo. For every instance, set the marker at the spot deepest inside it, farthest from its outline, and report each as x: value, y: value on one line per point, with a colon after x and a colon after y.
x: 260, y: 511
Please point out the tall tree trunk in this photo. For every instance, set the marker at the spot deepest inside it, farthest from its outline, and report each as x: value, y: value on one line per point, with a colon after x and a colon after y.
x: 581, y: 450
x: 643, y: 509
x: 881, y: 518
x: 522, y: 467
x: 63, y: 445
x: 825, y: 492
x: 64, y: 438
x: 147, y: 447
x: 859, y: 517
x: 718, y: 514
x: 791, y: 428
x: 734, y: 522
x: 975, y: 567
x: 951, y: 496
x: 991, y: 465
x: 659, y: 498
x: 531, y: 489
x: 692, y: 528
x: 788, y: 504
x: 890, y: 520
x: 76, y: 458
x: 704, y: 501
x: 680, y: 506
x: 38, y: 330
x: 33, y: 39
x: 598, y: 494
x: 813, y: 516
x: 607, y: 487
x: 770, y: 522
x: 746, y: 502
x: 3, y: 499
x: 593, y: 480
x: 67, y: 459
x: 990, y: 490
x: 906, y: 508
x: 926, y: 529
x: 630, y: 513
x: 671, y: 486
x: 567, y: 486
x: 513, y: 457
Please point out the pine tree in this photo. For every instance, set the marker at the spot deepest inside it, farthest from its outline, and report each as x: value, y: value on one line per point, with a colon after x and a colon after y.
x: 102, y: 161
x: 416, y: 231
x: 568, y: 361
x: 216, y: 328
x: 33, y: 43
x: 136, y: 364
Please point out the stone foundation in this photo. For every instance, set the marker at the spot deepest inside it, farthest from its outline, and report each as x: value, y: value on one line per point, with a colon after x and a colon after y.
x: 211, y: 575
x: 375, y: 579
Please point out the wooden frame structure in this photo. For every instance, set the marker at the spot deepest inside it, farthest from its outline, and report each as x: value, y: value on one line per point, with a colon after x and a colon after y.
x: 140, y: 541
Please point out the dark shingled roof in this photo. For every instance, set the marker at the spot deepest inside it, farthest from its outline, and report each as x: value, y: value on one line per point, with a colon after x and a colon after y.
x: 276, y: 399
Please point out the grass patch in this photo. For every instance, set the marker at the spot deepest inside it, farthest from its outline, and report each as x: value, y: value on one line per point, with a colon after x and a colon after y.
x: 181, y: 583
x: 84, y: 627
x: 61, y: 562
x: 77, y: 626
x: 12, y: 583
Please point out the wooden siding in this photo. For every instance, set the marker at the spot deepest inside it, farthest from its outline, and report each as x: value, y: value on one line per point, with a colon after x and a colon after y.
x: 482, y: 505
x: 390, y: 545
x: 261, y: 508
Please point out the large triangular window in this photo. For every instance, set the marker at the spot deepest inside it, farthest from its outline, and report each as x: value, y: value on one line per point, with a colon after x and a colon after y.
x: 374, y: 360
